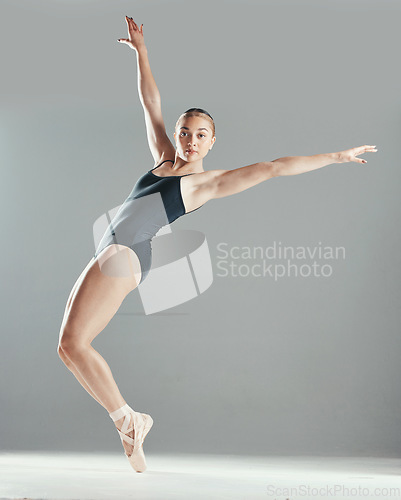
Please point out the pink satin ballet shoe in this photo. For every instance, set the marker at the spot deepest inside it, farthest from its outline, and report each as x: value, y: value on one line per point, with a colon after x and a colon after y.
x: 141, y: 423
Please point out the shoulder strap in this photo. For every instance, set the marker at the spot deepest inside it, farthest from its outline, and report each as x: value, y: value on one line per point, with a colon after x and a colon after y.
x: 151, y: 170
x: 163, y: 162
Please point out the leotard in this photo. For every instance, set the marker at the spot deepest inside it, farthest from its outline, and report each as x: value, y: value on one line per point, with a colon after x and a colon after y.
x: 137, y: 222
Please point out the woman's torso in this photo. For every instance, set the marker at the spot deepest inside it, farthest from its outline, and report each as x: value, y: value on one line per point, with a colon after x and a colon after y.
x: 153, y: 202
x: 169, y: 187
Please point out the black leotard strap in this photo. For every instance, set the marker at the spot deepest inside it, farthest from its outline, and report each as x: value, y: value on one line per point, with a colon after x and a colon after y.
x: 161, y: 164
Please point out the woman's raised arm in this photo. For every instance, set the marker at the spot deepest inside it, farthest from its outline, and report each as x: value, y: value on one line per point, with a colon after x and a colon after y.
x: 159, y: 143
x: 147, y: 88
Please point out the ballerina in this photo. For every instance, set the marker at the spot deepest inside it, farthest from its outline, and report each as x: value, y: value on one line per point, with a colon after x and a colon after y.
x: 123, y: 257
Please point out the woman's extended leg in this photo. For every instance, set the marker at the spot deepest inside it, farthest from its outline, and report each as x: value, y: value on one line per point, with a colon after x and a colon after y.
x: 96, y: 298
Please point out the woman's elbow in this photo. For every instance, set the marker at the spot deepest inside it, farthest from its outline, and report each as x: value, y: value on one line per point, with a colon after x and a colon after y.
x: 274, y: 168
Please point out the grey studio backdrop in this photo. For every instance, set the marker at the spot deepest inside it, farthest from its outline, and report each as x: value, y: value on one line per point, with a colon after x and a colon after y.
x: 254, y: 365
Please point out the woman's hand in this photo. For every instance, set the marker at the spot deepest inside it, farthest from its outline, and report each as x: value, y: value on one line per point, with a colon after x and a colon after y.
x: 135, y: 35
x: 351, y: 154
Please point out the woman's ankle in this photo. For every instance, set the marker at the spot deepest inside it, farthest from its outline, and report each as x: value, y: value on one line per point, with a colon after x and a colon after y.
x: 119, y: 414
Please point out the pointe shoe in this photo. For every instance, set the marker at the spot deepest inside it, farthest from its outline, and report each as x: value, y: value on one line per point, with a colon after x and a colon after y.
x: 141, y: 423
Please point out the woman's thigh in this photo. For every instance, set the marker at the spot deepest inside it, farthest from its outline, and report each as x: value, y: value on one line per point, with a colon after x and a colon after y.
x: 98, y: 293
x: 74, y: 289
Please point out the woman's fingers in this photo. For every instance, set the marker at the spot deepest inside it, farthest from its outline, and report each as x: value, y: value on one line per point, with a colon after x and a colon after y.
x: 366, y: 149
x: 131, y: 22
x: 361, y: 150
x: 352, y: 154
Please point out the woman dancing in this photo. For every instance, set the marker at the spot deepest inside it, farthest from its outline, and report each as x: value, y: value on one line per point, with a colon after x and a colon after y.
x: 120, y: 264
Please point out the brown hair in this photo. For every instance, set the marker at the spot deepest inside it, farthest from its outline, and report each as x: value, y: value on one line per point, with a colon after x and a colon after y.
x: 198, y: 112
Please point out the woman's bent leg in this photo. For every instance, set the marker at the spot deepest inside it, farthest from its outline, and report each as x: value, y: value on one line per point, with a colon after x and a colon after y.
x: 97, y: 298
x: 61, y: 353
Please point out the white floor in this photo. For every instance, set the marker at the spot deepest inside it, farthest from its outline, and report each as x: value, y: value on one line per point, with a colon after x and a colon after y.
x: 190, y: 477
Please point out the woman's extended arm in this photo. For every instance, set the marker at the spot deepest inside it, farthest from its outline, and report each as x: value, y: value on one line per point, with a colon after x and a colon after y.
x: 293, y: 165
x: 220, y: 183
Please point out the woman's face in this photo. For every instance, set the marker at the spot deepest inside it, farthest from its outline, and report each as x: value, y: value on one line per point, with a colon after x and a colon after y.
x: 193, y: 134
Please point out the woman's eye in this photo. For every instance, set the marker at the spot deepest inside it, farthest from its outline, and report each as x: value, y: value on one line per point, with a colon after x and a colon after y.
x: 184, y: 133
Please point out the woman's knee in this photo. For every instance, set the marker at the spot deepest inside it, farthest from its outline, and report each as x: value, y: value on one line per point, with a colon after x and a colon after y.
x: 60, y: 352
x: 63, y: 356
x: 70, y: 345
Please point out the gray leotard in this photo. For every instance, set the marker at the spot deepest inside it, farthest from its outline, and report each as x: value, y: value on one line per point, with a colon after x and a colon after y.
x: 153, y: 202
